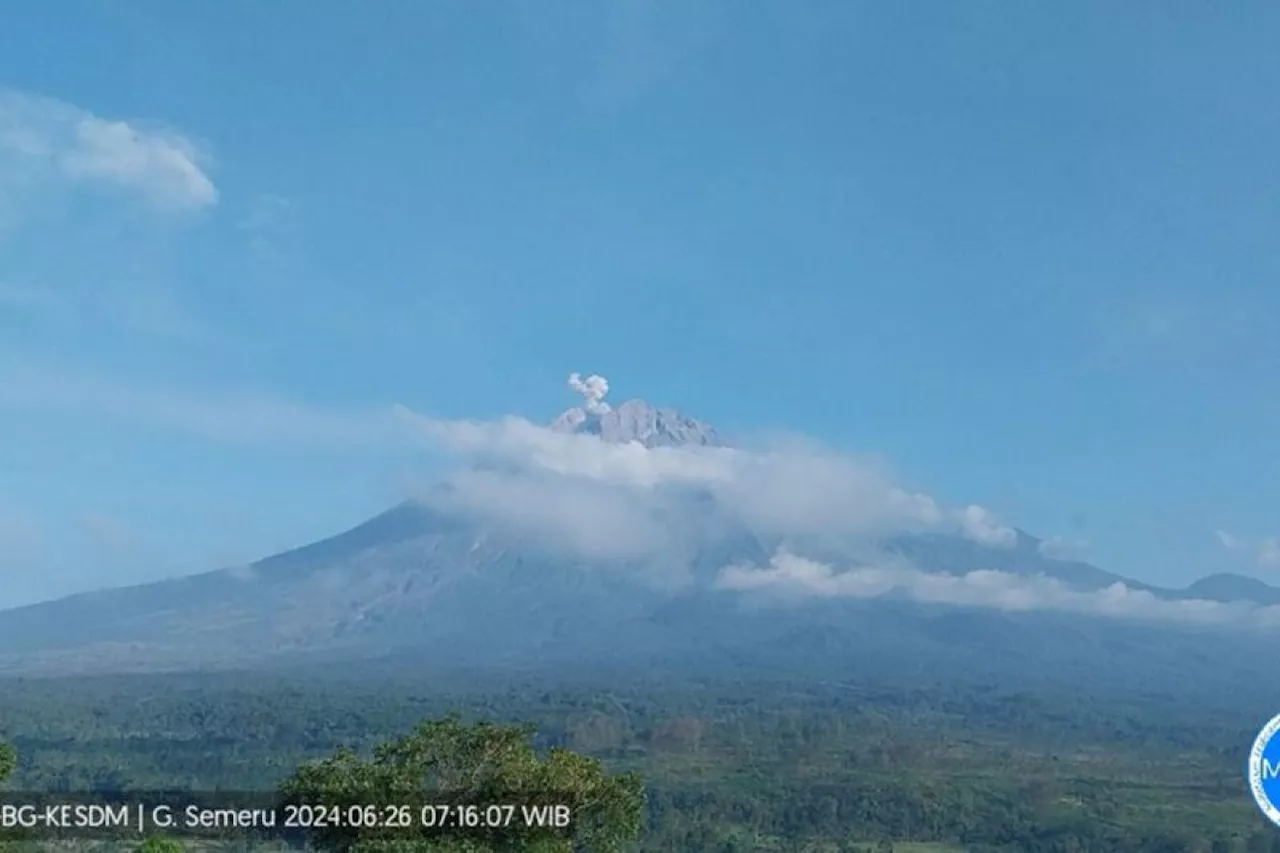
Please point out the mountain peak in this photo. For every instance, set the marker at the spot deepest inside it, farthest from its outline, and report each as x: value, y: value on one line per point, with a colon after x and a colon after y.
x: 636, y: 420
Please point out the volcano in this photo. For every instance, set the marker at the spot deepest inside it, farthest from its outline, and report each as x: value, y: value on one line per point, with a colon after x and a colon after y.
x: 438, y: 584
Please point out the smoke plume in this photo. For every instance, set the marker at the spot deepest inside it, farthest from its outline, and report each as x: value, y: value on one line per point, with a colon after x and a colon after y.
x: 593, y: 390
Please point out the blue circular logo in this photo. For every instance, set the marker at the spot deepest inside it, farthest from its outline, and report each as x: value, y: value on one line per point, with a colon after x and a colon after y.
x: 1264, y: 770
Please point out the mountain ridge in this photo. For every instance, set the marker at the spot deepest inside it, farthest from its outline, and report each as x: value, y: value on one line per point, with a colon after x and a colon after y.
x: 422, y: 577
x: 635, y: 420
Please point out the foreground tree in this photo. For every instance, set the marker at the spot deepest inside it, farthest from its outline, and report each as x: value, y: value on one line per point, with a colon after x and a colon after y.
x: 481, y: 783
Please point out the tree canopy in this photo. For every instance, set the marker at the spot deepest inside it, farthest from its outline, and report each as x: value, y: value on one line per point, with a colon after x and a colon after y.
x: 8, y: 760
x: 486, y: 767
x: 728, y: 766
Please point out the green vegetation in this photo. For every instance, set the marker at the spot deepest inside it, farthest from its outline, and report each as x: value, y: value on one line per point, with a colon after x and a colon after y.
x: 473, y: 766
x: 726, y: 766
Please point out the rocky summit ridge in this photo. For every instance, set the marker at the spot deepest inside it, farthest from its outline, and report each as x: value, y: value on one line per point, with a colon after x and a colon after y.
x: 636, y: 420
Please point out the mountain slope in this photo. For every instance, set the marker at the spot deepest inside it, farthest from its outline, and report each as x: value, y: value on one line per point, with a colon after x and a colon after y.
x: 426, y: 582
x: 957, y: 555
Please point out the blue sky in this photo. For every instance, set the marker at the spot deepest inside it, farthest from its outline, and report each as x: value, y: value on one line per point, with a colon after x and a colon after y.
x: 1026, y: 252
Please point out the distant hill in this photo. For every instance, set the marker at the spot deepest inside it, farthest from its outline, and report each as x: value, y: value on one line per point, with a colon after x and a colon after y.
x: 956, y: 555
x: 1229, y: 587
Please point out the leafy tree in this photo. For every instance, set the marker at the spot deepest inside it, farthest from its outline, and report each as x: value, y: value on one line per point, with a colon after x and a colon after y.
x: 447, y: 761
x: 8, y: 760
x: 158, y: 844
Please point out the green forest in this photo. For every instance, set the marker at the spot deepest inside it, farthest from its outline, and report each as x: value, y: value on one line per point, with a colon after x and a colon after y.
x: 696, y: 766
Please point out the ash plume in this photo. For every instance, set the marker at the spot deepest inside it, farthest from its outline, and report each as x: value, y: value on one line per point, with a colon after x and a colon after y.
x: 593, y: 390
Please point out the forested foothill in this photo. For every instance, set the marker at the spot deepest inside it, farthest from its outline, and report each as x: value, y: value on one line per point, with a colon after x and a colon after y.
x: 725, y: 764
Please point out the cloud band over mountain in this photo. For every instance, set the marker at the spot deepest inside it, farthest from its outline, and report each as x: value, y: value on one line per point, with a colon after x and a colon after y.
x: 794, y: 576
x: 613, y: 501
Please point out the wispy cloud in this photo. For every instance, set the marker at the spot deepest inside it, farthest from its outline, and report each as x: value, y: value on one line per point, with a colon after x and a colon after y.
x: 1265, y: 553
x: 1228, y: 540
x: 791, y: 575
x: 159, y: 165
x: 216, y: 415
x: 982, y: 525
x: 43, y: 140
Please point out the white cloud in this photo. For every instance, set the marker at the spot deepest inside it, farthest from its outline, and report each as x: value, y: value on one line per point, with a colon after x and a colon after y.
x: 517, y: 441
x: 590, y: 518
x: 981, y: 525
x: 791, y: 575
x: 44, y: 140
x: 594, y: 497
x: 1228, y: 541
x: 577, y: 485
x: 162, y: 166
x: 787, y: 491
x: 1264, y: 553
